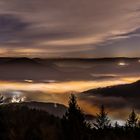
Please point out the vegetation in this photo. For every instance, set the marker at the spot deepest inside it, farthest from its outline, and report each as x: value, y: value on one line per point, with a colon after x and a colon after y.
x: 22, y: 123
x: 132, y: 120
x: 102, y: 121
x: 74, y: 123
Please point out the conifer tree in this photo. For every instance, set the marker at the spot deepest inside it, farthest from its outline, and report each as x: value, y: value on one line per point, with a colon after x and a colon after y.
x: 116, y: 125
x: 132, y: 120
x: 73, y: 121
x: 102, y: 120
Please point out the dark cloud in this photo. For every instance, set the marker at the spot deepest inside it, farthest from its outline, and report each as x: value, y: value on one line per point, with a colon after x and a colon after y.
x: 10, y: 23
x: 10, y: 28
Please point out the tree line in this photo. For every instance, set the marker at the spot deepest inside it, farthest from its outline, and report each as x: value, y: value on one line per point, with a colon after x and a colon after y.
x: 77, y: 128
x: 21, y: 123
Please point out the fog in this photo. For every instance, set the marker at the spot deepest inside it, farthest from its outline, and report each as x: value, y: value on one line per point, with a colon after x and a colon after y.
x: 54, y: 80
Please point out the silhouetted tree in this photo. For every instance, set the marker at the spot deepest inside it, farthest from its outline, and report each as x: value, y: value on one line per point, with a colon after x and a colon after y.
x: 132, y: 120
x: 1, y: 99
x: 102, y: 120
x: 18, y: 122
x: 74, y: 123
x: 116, y: 125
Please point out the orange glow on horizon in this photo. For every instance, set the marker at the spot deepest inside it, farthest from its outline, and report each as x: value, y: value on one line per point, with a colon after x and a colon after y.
x: 63, y: 87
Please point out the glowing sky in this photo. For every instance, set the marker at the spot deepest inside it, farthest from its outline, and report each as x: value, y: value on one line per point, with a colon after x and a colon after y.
x: 76, y: 28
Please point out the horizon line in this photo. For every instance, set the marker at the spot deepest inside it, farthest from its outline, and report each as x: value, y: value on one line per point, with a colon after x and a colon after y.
x: 74, y: 57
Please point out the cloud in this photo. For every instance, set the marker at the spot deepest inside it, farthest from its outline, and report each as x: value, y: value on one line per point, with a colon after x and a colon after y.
x: 10, y: 26
x: 48, y: 24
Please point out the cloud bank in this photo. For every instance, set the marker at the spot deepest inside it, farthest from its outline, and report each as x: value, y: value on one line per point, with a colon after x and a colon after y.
x: 77, y: 28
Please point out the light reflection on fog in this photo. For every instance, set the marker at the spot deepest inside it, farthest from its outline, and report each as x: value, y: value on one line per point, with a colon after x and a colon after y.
x: 56, y: 81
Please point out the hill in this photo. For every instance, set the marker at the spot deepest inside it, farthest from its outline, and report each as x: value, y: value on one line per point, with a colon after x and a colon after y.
x: 127, y: 91
x: 22, y: 61
x: 20, y: 123
x: 55, y: 109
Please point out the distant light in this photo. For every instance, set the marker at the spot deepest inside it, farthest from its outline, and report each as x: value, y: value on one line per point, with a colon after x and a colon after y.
x: 23, y: 99
x: 17, y: 99
x: 122, y: 64
x: 120, y: 122
x: 55, y: 105
x: 139, y: 61
x: 51, y: 81
x: 29, y: 81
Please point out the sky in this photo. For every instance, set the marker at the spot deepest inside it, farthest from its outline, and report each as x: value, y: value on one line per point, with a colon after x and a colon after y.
x: 70, y: 29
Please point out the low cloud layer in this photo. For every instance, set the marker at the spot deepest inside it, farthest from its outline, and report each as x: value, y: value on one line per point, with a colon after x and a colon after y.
x: 119, y: 100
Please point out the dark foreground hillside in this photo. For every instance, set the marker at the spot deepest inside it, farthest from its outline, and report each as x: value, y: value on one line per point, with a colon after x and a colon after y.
x: 22, y: 123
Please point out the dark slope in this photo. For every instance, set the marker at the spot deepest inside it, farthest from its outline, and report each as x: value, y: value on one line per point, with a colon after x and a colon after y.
x: 22, y: 123
x: 55, y: 109
x: 128, y: 90
x: 22, y: 61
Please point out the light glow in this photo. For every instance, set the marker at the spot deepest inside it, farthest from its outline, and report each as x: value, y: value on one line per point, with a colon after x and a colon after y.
x: 63, y: 87
x: 122, y: 64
